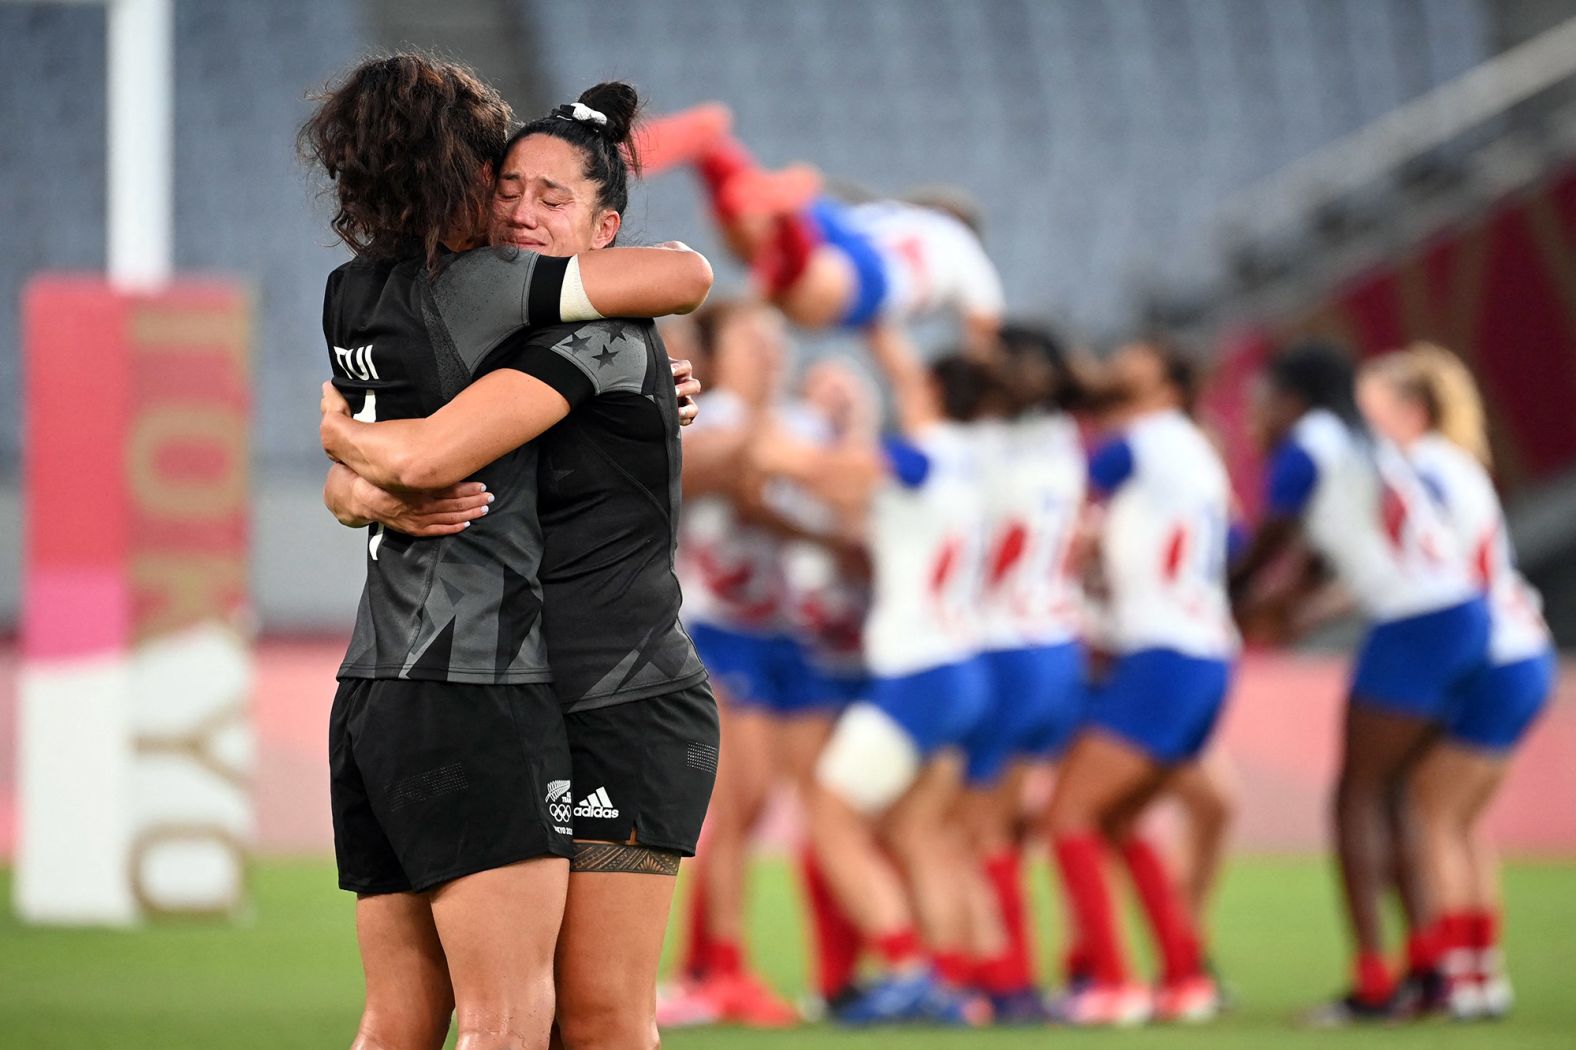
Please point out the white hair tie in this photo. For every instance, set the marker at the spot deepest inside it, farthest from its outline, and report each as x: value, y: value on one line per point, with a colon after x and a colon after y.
x: 581, y: 112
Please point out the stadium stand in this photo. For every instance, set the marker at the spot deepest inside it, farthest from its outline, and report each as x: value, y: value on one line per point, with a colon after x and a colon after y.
x: 1104, y: 217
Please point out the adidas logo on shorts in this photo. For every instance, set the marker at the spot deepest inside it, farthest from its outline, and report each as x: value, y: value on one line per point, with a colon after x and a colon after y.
x: 596, y: 804
x: 558, y: 802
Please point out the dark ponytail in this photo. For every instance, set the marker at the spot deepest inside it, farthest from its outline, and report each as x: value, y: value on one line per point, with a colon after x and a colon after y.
x: 965, y: 385
x: 1028, y: 349
x: 608, y: 148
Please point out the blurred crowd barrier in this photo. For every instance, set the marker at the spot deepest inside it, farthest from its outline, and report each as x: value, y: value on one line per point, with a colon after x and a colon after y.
x: 1281, y: 731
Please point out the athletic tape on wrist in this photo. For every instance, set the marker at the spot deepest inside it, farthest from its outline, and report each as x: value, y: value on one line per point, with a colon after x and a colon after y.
x: 573, y: 303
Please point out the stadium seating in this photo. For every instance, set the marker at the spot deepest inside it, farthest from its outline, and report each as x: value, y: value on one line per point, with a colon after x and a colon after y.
x: 1076, y: 147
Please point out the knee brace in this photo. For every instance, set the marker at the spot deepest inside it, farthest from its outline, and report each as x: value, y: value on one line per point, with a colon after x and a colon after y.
x: 870, y: 760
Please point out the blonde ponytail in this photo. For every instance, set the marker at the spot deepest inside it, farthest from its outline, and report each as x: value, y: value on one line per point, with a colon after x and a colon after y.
x: 1436, y: 379
x: 1457, y: 406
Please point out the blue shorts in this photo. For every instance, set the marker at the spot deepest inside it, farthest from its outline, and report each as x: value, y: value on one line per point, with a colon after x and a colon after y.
x: 1036, y: 700
x: 1414, y: 666
x: 1497, y: 704
x: 764, y: 672
x: 1163, y: 702
x: 936, y: 708
x: 870, y: 276
x: 835, y: 690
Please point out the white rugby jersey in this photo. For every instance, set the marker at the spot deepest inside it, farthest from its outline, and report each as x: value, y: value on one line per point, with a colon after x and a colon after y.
x: 1366, y: 511
x: 933, y: 261
x: 926, y: 548
x: 1163, y: 544
x: 826, y: 608
x: 1471, y: 506
x: 730, y: 571
x: 1034, y: 481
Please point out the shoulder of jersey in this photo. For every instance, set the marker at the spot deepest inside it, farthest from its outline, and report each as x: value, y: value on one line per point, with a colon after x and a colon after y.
x: 1322, y: 433
x: 1440, y: 456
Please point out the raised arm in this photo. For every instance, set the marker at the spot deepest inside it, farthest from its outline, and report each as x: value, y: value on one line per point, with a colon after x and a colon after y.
x: 844, y: 475
x: 494, y: 415
x: 895, y: 355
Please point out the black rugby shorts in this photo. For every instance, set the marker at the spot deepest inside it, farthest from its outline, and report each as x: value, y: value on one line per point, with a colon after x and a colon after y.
x: 430, y: 781
x: 643, y: 771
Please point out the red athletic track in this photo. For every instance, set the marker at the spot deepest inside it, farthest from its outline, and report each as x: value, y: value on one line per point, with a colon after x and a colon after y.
x: 1280, y: 730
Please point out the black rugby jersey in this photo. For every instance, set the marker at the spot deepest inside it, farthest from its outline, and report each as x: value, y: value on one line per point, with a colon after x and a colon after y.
x: 608, y: 498
x: 467, y: 607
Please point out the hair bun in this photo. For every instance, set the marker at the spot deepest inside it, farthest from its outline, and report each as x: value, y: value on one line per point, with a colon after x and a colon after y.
x: 617, y: 101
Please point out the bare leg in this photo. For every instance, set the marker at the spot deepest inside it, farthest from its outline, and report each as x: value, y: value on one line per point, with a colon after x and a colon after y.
x: 919, y: 833
x: 860, y: 877
x: 744, y: 773
x: 611, y: 946
x: 987, y: 819
x: 1207, y: 792
x: 1406, y: 864
x: 409, y: 999
x: 1452, y: 786
x: 1380, y: 749
x: 498, y: 929
x: 821, y: 295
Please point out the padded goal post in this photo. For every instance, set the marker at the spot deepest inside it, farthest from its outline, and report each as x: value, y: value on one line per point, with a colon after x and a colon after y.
x: 134, y: 736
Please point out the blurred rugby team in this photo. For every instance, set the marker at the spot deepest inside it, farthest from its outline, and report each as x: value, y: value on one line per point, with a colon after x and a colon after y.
x: 1010, y: 621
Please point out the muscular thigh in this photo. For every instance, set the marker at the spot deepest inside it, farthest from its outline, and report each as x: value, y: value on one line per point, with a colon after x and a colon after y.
x: 610, y: 945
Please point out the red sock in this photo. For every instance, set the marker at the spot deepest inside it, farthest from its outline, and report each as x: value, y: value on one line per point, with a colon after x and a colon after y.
x: 1168, y: 919
x: 1453, y: 941
x: 953, y: 967
x: 720, y: 164
x: 1076, y: 965
x: 899, y: 948
x: 1372, y: 978
x: 1483, y: 928
x: 835, y: 937
x: 783, y: 258
x: 724, y: 959
x: 1423, y: 947
x: 1082, y: 863
x: 697, y: 944
x: 1013, y: 970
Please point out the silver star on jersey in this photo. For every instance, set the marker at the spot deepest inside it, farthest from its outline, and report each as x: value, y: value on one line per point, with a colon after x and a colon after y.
x: 599, y: 344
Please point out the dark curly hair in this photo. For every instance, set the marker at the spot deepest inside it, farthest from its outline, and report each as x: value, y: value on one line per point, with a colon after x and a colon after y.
x: 1319, y: 375
x: 1037, y: 372
x: 407, y: 140
x: 608, y: 149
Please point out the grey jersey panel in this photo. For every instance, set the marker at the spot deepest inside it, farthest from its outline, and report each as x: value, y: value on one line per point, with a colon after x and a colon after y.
x: 482, y: 297
x: 464, y: 608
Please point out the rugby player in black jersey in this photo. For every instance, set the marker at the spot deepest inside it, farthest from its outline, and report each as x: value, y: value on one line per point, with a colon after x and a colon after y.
x: 642, y: 724
x: 450, y: 765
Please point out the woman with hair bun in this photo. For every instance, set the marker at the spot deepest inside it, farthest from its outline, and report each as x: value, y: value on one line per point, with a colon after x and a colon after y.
x: 450, y: 757
x: 1424, y: 399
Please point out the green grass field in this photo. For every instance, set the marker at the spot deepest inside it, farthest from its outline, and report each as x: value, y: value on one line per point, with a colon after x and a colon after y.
x: 289, y: 978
